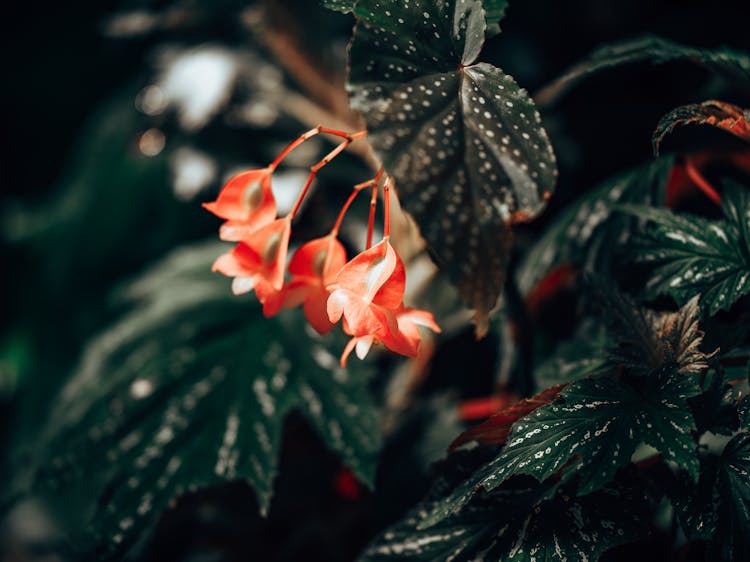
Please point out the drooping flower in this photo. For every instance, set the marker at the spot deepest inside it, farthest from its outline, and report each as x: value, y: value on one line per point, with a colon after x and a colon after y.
x: 247, y: 202
x: 258, y: 262
x: 368, y: 294
x: 313, y: 268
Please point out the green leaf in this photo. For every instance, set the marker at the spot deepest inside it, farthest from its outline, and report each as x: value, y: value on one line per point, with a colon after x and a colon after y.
x: 730, y: 64
x: 462, y: 140
x: 694, y: 503
x: 733, y: 485
x: 692, y: 255
x: 192, y: 387
x: 743, y: 411
x: 343, y: 6
x: 494, y: 12
x: 715, y: 409
x: 603, y: 421
x: 574, y: 359
x: 587, y: 230
x: 513, y: 526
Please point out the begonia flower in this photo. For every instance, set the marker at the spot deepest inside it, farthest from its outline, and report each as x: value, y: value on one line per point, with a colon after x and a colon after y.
x: 247, y: 202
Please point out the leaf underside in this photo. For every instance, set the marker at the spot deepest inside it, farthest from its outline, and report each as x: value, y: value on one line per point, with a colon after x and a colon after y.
x: 462, y: 140
x: 722, y: 115
x: 192, y: 388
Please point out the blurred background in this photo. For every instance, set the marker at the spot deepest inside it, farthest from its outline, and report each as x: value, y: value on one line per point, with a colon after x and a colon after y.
x: 120, y: 117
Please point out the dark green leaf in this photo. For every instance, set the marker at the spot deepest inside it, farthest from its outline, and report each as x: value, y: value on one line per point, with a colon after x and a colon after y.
x: 603, y: 421
x: 586, y: 231
x: 743, y: 411
x: 463, y: 141
x: 513, y: 526
x: 730, y: 64
x: 692, y: 255
x: 726, y: 116
x: 579, y: 357
x: 192, y: 387
x: 694, y: 503
x: 733, y: 484
x: 343, y: 6
x: 494, y: 12
x: 715, y: 409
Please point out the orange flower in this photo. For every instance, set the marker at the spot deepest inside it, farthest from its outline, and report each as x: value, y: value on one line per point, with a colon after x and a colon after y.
x: 258, y: 262
x: 247, y: 202
x: 368, y: 293
x: 314, y: 267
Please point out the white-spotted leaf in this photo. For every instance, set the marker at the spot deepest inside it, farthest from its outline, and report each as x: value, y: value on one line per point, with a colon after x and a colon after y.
x: 602, y: 421
x: 463, y: 141
x: 191, y: 388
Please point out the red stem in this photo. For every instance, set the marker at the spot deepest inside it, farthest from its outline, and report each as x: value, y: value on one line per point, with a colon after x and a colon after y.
x: 387, y: 206
x: 701, y: 182
x: 311, y: 133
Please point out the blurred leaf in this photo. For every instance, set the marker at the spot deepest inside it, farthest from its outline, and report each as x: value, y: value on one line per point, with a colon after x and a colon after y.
x: 581, y: 356
x: 514, y: 525
x: 719, y: 114
x: 586, y: 232
x: 192, y: 387
x: 692, y: 255
x: 463, y: 141
x: 602, y: 421
x: 494, y: 11
x: 694, y: 503
x: 730, y: 64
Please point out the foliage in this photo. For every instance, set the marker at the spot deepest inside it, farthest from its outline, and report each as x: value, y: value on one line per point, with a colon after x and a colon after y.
x: 620, y: 419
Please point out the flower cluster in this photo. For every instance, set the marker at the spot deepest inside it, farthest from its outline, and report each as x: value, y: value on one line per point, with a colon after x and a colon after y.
x: 366, y: 292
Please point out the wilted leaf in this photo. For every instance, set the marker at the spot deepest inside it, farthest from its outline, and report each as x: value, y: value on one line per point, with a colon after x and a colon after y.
x: 193, y: 387
x: 730, y: 64
x: 719, y: 114
x: 645, y: 340
x: 600, y: 420
x: 693, y: 255
x: 585, y: 232
x: 513, y: 525
x: 463, y: 141
x: 495, y: 430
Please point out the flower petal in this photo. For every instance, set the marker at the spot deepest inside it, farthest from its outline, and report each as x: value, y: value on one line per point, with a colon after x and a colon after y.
x: 246, y: 197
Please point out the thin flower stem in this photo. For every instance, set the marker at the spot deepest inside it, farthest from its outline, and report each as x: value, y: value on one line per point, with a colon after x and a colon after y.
x: 313, y: 171
x: 371, y: 218
x: 703, y: 184
x: 344, y: 209
x: 350, y: 137
x: 387, y: 207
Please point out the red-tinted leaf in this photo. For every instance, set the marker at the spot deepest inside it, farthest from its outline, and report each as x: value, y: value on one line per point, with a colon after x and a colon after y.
x: 562, y: 276
x: 495, y: 430
x: 719, y: 114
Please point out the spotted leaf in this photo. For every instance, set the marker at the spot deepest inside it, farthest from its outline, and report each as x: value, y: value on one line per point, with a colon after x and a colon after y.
x: 718, y: 114
x: 343, y: 6
x: 463, y: 141
x: 691, y: 254
x: 732, y: 542
x: 600, y: 420
x: 732, y: 65
x: 513, y: 525
x: 190, y: 388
